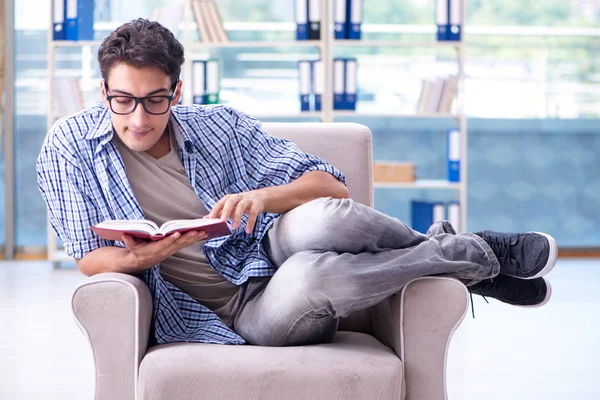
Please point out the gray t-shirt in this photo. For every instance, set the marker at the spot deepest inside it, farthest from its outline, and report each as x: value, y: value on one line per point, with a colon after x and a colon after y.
x: 163, y: 190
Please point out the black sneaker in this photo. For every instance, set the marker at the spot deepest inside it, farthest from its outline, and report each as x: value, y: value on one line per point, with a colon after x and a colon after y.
x: 514, y: 291
x: 522, y: 255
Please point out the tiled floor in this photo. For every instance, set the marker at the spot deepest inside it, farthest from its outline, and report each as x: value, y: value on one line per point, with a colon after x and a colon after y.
x: 504, y: 353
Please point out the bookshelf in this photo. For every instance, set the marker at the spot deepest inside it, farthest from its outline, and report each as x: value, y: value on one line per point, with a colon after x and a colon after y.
x: 326, y: 47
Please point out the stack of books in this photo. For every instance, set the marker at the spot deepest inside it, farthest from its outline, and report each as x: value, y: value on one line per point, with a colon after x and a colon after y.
x: 437, y: 95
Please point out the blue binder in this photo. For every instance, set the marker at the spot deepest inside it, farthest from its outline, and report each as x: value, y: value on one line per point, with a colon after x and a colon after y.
x: 351, y: 84
x: 70, y: 19
x: 339, y: 83
x: 198, y: 81
x: 340, y: 20
x: 455, y: 20
x: 442, y: 19
x: 354, y: 13
x: 58, y: 19
x: 79, y: 19
x: 426, y: 213
x: 317, y: 84
x: 304, y: 78
x: 314, y: 19
x: 85, y: 20
x: 453, y: 215
x: 301, y: 19
x: 454, y: 145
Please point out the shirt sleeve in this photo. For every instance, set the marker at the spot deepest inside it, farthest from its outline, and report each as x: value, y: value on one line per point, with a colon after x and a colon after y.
x: 272, y: 161
x: 71, y: 208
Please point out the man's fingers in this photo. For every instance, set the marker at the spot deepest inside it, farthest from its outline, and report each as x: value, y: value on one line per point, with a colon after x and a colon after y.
x: 228, y: 207
x: 252, y: 216
x: 128, y: 240
x: 216, y: 210
x: 239, y: 213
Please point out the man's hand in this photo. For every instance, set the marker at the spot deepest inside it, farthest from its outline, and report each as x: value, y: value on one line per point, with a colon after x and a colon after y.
x: 234, y: 206
x: 144, y: 254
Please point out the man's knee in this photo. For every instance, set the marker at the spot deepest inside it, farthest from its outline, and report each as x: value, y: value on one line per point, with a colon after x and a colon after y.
x: 319, y: 217
x: 301, y: 279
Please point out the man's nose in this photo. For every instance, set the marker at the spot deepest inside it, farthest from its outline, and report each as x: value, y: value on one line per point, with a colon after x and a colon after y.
x: 139, y: 116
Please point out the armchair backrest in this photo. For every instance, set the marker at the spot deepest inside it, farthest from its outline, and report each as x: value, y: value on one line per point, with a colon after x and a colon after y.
x: 348, y: 147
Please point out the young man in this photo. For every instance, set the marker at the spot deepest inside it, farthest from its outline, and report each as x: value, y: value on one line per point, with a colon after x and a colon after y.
x: 282, y: 277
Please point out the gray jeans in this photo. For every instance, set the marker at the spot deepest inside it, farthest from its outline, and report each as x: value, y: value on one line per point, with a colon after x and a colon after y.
x: 336, y: 256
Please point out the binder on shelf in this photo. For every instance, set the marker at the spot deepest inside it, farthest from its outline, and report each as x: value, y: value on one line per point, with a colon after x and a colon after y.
x: 426, y: 213
x: 198, y: 81
x: 442, y: 19
x: 453, y: 215
x: 453, y: 139
x: 85, y: 20
x: 301, y: 19
x: 58, y: 19
x: 354, y: 18
x: 304, y: 81
x: 213, y: 81
x: 338, y: 83
x: 339, y: 20
x: 314, y: 19
x: 79, y: 19
x: 351, y: 84
x: 455, y: 18
x: 318, y: 82
x: 71, y: 19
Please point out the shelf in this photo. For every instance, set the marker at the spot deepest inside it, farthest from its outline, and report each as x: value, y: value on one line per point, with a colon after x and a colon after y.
x: 392, y: 43
x: 350, y: 113
x: 201, y: 45
x: 419, y: 184
x: 75, y: 43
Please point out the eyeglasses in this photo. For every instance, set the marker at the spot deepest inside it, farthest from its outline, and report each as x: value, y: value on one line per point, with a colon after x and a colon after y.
x: 123, y: 105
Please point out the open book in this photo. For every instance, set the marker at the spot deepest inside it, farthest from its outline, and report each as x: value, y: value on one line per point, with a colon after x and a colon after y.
x: 144, y: 229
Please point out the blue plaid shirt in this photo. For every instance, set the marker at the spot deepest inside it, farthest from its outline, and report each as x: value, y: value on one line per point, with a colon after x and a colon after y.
x: 82, y: 178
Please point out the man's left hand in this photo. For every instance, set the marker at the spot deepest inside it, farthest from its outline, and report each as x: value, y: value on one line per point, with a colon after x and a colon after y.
x: 234, y: 206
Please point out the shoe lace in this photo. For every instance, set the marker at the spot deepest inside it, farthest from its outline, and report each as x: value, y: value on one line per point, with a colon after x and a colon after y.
x: 487, y: 284
x: 500, y: 247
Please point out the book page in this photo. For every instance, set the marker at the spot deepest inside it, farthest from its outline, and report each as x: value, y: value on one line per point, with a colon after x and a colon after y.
x: 130, y: 225
x: 178, y: 224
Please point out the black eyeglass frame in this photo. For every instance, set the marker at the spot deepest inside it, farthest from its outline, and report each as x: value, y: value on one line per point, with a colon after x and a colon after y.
x: 141, y: 100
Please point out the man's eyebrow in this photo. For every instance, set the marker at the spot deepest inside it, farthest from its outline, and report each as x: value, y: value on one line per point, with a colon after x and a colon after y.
x: 157, y: 91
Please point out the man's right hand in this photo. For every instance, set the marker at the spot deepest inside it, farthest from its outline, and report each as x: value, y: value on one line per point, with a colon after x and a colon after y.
x: 145, y: 254
x: 137, y: 256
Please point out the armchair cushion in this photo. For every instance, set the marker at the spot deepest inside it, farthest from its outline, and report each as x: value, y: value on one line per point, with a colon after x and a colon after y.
x: 354, y: 366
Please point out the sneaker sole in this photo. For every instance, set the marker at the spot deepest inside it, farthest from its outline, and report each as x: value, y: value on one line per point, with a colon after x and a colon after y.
x: 546, y: 299
x: 552, y: 256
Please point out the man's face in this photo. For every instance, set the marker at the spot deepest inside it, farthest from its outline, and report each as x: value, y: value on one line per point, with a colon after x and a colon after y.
x: 140, y: 130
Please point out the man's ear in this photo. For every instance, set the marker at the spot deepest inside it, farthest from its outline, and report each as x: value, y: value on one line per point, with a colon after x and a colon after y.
x: 103, y: 93
x: 178, y: 93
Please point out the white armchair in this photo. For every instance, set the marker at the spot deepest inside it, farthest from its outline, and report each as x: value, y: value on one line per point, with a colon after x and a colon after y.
x: 395, y: 350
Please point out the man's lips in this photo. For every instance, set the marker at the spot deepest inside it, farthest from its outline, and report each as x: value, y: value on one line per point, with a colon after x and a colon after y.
x: 139, y: 133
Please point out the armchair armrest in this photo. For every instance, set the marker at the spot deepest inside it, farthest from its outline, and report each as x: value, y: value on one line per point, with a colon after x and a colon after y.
x: 114, y: 311
x: 417, y: 324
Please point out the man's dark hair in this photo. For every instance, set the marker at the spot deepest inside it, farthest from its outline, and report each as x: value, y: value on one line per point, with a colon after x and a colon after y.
x: 142, y: 43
